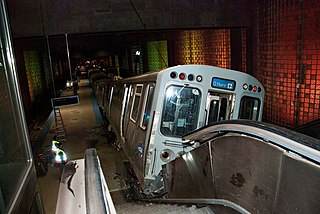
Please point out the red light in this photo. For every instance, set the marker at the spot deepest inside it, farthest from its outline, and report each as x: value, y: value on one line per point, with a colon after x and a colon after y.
x: 254, y: 88
x: 182, y: 76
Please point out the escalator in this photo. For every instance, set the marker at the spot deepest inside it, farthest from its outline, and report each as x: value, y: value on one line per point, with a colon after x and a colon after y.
x: 249, y: 167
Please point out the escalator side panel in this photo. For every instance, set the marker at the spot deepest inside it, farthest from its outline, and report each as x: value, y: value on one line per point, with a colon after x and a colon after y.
x: 299, y: 187
x: 239, y: 169
x: 246, y: 172
x: 255, y: 174
x: 191, y: 175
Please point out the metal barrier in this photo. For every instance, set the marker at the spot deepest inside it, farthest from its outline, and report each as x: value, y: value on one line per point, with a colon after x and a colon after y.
x: 83, y: 188
x: 260, y: 168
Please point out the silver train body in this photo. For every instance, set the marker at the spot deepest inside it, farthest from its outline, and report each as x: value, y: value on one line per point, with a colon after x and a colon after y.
x: 150, y: 113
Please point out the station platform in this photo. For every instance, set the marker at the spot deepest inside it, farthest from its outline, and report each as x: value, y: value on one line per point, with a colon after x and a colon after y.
x: 85, y: 129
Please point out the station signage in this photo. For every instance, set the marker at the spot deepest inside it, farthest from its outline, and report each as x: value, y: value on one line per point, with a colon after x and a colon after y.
x: 65, y: 101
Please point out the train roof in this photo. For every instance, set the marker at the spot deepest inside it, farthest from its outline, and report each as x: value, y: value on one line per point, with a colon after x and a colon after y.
x: 151, y: 76
x: 147, y: 77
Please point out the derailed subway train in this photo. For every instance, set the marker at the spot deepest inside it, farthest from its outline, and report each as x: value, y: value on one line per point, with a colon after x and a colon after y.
x: 150, y: 113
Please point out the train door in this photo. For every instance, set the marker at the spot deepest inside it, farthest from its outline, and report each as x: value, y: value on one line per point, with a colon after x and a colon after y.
x: 219, y: 107
x: 132, y: 119
x: 124, y: 114
x: 132, y: 128
x: 139, y: 142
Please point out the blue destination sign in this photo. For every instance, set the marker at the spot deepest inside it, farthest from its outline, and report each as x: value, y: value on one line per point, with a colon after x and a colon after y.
x: 223, y: 84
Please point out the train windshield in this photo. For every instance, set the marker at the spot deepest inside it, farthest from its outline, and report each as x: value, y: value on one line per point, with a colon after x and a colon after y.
x: 180, y: 111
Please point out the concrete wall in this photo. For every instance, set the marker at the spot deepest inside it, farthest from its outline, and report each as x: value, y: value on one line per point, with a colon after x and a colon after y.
x: 39, y: 17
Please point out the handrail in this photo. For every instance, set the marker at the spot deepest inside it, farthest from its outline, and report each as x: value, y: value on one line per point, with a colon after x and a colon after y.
x: 98, y: 199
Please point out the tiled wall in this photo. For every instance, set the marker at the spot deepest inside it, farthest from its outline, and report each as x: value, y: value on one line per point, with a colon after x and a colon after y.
x: 34, y: 74
x: 157, y: 55
x: 210, y: 47
x: 288, y: 60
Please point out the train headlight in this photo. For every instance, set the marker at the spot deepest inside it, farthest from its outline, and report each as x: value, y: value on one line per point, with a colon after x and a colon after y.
x: 166, y: 155
x: 199, y: 78
x: 245, y: 86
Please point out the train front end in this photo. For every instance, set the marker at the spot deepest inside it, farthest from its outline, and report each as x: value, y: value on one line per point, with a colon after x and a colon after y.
x: 189, y: 97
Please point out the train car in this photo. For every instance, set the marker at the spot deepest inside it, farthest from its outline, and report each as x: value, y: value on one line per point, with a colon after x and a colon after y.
x: 149, y: 113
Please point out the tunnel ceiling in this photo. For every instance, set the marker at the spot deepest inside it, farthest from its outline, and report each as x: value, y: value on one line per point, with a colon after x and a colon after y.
x: 33, y: 18
x: 91, y: 44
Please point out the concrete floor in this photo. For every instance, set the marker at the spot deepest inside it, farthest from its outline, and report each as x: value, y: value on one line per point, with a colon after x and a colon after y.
x: 85, y: 129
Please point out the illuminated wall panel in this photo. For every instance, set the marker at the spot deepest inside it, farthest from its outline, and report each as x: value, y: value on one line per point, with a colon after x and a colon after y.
x: 210, y: 47
x: 47, y: 71
x: 219, y: 50
x: 190, y: 47
x: 33, y: 70
x: 157, y: 55
x: 288, y: 51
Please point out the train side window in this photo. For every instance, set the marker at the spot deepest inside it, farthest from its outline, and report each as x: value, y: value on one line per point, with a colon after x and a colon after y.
x: 180, y: 111
x: 102, y: 95
x: 117, y: 96
x: 249, y: 108
x: 147, y: 105
x: 136, y: 102
x: 106, y: 94
x: 110, y: 99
